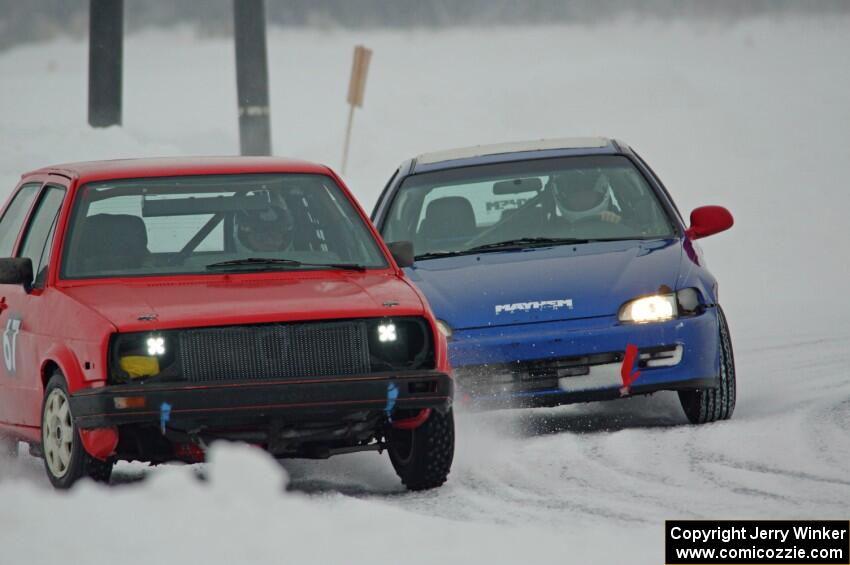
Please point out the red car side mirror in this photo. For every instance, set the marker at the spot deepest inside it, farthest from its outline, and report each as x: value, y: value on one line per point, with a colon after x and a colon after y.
x: 709, y: 220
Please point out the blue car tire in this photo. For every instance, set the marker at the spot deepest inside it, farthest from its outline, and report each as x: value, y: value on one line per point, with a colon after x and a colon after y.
x: 713, y: 404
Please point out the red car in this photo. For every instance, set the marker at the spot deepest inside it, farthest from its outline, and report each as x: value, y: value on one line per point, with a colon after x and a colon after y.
x: 150, y: 307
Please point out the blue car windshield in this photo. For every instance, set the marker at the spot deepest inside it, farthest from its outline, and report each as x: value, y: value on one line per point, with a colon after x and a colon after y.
x: 525, y: 203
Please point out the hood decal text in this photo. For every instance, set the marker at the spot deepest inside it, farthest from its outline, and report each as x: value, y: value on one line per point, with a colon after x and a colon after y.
x: 525, y: 307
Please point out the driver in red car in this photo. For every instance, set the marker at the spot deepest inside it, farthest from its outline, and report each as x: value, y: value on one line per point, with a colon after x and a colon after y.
x: 270, y: 229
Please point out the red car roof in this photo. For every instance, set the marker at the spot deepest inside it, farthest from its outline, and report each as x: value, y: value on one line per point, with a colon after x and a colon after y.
x: 178, y: 166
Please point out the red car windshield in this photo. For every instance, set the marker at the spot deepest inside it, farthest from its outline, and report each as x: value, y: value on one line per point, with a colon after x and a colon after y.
x: 203, y: 224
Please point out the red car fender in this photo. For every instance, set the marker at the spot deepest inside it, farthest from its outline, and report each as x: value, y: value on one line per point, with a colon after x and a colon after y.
x: 100, y: 443
x: 62, y: 356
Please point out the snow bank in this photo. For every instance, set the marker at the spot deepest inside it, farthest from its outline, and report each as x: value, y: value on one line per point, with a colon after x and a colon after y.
x: 242, y: 514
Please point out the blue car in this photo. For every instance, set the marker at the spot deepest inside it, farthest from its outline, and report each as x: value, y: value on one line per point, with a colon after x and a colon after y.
x: 561, y: 271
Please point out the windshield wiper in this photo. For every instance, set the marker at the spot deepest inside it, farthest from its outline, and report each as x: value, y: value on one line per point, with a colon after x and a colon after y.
x: 523, y: 242
x: 519, y: 243
x: 262, y: 263
x: 436, y: 254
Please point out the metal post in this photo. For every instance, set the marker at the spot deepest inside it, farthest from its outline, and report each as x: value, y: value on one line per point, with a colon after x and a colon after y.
x: 106, y: 59
x: 347, y: 139
x: 252, y: 77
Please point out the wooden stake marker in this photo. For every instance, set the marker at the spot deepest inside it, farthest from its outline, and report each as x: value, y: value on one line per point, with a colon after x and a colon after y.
x: 356, y: 90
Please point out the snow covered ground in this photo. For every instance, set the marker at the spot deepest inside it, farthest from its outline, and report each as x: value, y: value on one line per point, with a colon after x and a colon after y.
x: 755, y: 117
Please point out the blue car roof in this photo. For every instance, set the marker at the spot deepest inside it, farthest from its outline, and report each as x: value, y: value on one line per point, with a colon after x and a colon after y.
x: 515, y: 151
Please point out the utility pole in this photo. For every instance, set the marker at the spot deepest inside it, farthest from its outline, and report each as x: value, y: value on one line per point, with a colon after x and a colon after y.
x: 252, y: 77
x: 106, y: 61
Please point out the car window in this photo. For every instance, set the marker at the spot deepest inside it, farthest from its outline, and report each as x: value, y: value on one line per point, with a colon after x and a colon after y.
x: 167, y: 233
x: 38, y: 236
x: 189, y: 225
x: 13, y: 219
x: 455, y: 210
x: 487, y: 207
x: 44, y: 261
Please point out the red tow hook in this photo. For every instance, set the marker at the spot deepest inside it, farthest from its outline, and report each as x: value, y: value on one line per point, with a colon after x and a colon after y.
x: 414, y: 422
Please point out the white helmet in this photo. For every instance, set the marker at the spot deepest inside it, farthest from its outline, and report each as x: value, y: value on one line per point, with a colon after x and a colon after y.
x: 580, y: 194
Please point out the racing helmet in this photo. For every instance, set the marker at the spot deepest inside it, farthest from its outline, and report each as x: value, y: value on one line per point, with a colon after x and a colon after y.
x: 268, y: 229
x: 580, y: 194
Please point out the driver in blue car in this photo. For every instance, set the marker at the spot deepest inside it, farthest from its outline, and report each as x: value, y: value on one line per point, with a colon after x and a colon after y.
x: 582, y: 195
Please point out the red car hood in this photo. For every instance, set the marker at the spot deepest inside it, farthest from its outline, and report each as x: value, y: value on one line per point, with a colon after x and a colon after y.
x: 247, y: 300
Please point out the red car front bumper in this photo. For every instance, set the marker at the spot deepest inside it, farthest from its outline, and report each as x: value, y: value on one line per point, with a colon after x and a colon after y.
x: 181, y: 404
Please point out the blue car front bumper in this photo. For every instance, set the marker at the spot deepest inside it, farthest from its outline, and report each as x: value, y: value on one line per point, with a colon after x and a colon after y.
x: 546, y: 364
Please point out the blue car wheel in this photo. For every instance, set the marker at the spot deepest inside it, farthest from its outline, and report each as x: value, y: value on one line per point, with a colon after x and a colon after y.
x: 710, y: 405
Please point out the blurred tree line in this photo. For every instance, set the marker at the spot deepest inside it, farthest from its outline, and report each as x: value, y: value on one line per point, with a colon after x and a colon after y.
x: 35, y: 20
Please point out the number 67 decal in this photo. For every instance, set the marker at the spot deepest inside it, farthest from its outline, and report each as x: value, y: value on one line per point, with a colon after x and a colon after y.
x: 10, y: 340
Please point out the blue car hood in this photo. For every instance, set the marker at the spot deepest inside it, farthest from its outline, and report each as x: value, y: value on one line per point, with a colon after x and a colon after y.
x: 545, y: 284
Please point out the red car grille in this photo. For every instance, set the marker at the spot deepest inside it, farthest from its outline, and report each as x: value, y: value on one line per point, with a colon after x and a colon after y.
x: 275, y: 351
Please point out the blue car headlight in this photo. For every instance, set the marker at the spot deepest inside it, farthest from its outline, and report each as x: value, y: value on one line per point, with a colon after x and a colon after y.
x: 661, y: 307
x: 655, y: 308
